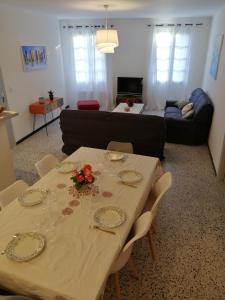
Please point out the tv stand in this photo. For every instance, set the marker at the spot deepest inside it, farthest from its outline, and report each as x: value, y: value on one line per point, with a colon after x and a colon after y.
x: 137, y: 98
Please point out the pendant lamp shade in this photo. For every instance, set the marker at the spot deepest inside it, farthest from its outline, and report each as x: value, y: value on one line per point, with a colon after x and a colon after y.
x: 106, y: 39
x: 107, y: 50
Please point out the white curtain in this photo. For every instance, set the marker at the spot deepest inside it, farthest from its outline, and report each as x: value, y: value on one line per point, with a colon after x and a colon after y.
x: 85, y: 68
x: 168, y: 67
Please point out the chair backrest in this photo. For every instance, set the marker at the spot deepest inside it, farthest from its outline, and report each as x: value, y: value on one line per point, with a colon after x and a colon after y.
x: 120, y: 147
x: 12, y: 192
x: 46, y: 164
x: 141, y: 227
x: 159, y: 189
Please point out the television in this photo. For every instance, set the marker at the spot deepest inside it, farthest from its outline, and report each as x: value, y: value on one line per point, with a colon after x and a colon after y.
x: 129, y: 85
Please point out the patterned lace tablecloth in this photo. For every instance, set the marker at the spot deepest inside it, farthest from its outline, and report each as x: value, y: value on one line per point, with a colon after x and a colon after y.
x: 77, y: 258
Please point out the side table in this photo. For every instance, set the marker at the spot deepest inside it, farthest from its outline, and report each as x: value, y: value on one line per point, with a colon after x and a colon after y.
x: 47, y: 106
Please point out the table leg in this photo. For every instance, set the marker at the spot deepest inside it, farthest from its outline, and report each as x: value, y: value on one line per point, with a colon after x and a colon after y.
x: 34, y: 121
x: 46, y: 129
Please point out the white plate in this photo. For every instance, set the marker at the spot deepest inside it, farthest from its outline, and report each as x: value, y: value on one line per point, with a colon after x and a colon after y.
x: 25, y: 246
x: 114, y: 156
x: 130, y: 176
x: 66, y: 167
x: 32, y: 197
x: 109, y: 217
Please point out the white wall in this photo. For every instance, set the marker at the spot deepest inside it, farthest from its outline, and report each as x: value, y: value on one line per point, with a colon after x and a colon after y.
x: 18, y: 28
x: 216, y: 91
x: 131, y: 58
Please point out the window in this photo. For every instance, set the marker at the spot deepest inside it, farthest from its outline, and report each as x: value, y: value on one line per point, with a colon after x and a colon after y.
x: 89, y: 62
x: 171, y: 56
x: 180, y: 57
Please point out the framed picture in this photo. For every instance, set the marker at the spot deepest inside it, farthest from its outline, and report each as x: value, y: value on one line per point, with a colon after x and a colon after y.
x: 216, y: 56
x: 34, y: 57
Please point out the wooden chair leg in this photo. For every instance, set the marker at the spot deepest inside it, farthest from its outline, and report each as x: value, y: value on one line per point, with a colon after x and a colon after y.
x: 117, y: 285
x: 151, y: 245
x: 132, y: 268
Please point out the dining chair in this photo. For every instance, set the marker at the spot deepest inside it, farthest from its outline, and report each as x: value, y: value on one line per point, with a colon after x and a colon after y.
x: 11, y: 192
x: 162, y: 185
x: 46, y: 164
x: 140, y: 229
x: 120, y: 147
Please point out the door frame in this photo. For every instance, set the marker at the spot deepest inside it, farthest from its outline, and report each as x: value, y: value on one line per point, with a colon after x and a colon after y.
x: 9, y: 127
x: 221, y: 171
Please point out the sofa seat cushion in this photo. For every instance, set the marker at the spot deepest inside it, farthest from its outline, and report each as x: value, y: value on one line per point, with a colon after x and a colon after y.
x: 172, y: 112
x: 173, y: 115
x: 172, y: 109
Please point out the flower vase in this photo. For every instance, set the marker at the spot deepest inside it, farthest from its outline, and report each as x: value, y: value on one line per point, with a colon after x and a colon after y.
x: 84, y: 189
x: 130, y: 102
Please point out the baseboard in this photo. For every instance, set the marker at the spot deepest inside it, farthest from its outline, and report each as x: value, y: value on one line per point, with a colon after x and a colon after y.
x: 210, y: 154
x: 35, y: 131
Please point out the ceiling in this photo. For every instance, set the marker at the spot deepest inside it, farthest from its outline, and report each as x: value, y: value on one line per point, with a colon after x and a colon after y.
x: 120, y: 8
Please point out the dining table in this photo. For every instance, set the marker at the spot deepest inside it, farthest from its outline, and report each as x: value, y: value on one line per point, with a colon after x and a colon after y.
x: 76, y: 260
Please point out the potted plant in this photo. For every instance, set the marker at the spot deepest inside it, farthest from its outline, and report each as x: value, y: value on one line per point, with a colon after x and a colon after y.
x: 51, y: 94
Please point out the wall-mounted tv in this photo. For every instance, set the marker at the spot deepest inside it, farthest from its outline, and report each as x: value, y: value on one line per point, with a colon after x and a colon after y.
x: 129, y: 85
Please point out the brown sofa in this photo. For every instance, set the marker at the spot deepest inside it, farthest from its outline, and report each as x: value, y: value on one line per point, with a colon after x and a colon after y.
x: 97, y: 128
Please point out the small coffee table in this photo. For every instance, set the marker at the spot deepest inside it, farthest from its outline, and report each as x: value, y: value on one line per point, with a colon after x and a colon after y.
x: 137, y: 108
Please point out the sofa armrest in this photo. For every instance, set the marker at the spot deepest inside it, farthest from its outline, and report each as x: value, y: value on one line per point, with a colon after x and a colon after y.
x: 171, y: 103
x: 180, y: 131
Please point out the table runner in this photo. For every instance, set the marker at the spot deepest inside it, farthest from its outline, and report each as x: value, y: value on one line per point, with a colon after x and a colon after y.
x: 77, y: 258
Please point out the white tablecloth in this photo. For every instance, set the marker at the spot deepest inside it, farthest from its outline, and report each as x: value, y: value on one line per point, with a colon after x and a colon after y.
x: 77, y: 258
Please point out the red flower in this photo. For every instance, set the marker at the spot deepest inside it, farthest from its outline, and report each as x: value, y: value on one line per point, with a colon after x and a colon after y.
x: 87, y: 170
x: 74, y: 173
x: 89, y: 178
x: 80, y: 178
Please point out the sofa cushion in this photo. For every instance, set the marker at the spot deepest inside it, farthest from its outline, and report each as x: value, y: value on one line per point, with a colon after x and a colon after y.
x: 174, y: 115
x: 188, y: 114
x: 180, y: 104
x: 195, y: 95
x: 186, y: 108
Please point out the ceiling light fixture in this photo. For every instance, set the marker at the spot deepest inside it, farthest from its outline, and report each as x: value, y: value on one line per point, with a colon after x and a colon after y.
x: 106, y: 39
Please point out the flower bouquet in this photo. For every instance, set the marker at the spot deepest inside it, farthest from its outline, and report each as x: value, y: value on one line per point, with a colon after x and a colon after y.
x: 82, y: 177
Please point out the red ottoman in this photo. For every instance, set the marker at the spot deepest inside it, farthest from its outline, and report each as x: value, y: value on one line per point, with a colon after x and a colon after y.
x: 88, y: 104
